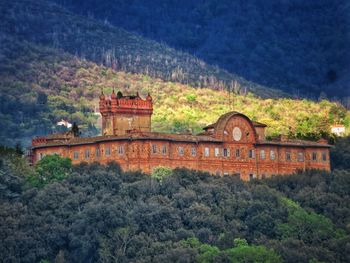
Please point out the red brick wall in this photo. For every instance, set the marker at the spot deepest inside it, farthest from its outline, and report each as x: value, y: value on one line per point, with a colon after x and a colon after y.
x: 138, y: 155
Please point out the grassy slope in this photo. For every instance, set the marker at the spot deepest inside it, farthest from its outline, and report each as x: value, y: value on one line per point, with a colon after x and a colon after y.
x: 73, y: 86
x: 45, y: 23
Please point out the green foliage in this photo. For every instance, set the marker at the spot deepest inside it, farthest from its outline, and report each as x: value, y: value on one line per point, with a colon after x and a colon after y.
x: 191, y: 97
x: 241, y: 252
x: 305, y: 226
x: 207, y: 253
x: 253, y: 254
x: 239, y: 242
x: 160, y: 173
x: 99, y: 213
x: 50, y: 168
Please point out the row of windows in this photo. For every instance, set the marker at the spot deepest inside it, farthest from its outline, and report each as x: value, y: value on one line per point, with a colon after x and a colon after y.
x: 181, y: 150
x: 225, y: 152
x: 87, y: 152
x: 288, y: 156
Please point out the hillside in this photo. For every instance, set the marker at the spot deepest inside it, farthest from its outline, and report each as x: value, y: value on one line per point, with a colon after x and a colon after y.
x: 44, y: 23
x: 297, y: 46
x: 39, y: 86
x: 94, y: 213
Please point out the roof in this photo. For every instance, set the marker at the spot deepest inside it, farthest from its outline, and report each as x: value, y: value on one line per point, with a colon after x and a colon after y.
x: 133, y: 136
x: 58, y: 136
x: 255, y: 124
x: 67, y: 140
x: 295, y: 143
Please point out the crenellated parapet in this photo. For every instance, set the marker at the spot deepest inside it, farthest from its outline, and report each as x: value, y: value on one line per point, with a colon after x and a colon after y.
x: 125, y: 104
x: 121, y: 114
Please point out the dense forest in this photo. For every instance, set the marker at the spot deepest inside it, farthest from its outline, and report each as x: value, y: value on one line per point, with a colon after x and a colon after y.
x: 294, y: 45
x: 57, y: 212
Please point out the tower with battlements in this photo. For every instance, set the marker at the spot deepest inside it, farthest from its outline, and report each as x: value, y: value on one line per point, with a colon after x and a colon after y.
x: 124, y: 114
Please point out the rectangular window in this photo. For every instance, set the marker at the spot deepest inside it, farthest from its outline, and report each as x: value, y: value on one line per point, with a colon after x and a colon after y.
x: 300, y: 156
x: 251, y: 176
x: 76, y: 155
x: 226, y: 152
x: 217, y: 152
x: 251, y: 153
x: 324, y: 157
x: 164, y: 150
x: 262, y: 155
x: 87, y: 154
x: 288, y: 156
x: 97, y: 152
x: 181, y: 151
x: 272, y: 155
x: 225, y: 173
x: 263, y: 176
x: 238, y: 153
x: 121, y: 149
x: 206, y: 152
x: 108, y: 151
x: 193, y: 151
x: 154, y: 148
x: 314, y: 156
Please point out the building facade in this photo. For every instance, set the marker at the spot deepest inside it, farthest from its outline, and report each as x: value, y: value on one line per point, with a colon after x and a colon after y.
x: 234, y: 145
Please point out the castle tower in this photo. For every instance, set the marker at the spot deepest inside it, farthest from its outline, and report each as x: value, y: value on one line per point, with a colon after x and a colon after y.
x: 123, y: 114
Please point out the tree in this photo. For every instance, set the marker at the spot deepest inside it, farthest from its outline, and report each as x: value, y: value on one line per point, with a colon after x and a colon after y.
x: 75, y: 130
x: 49, y: 168
x: 242, y: 252
x: 160, y: 173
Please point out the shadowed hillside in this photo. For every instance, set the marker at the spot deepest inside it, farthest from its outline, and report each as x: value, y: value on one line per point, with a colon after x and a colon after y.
x: 45, y: 23
x: 297, y: 46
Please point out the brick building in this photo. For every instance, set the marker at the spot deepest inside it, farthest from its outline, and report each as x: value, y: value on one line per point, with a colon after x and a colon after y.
x: 233, y: 145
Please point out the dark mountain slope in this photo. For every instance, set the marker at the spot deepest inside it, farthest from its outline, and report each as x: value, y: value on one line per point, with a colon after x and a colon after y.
x: 45, y: 23
x: 294, y: 45
x: 39, y: 86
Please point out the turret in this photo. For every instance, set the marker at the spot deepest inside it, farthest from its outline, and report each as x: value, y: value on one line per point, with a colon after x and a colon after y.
x: 122, y: 114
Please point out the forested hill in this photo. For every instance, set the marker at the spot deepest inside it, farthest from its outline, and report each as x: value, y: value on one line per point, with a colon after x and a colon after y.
x: 294, y: 45
x: 93, y: 213
x: 45, y: 23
